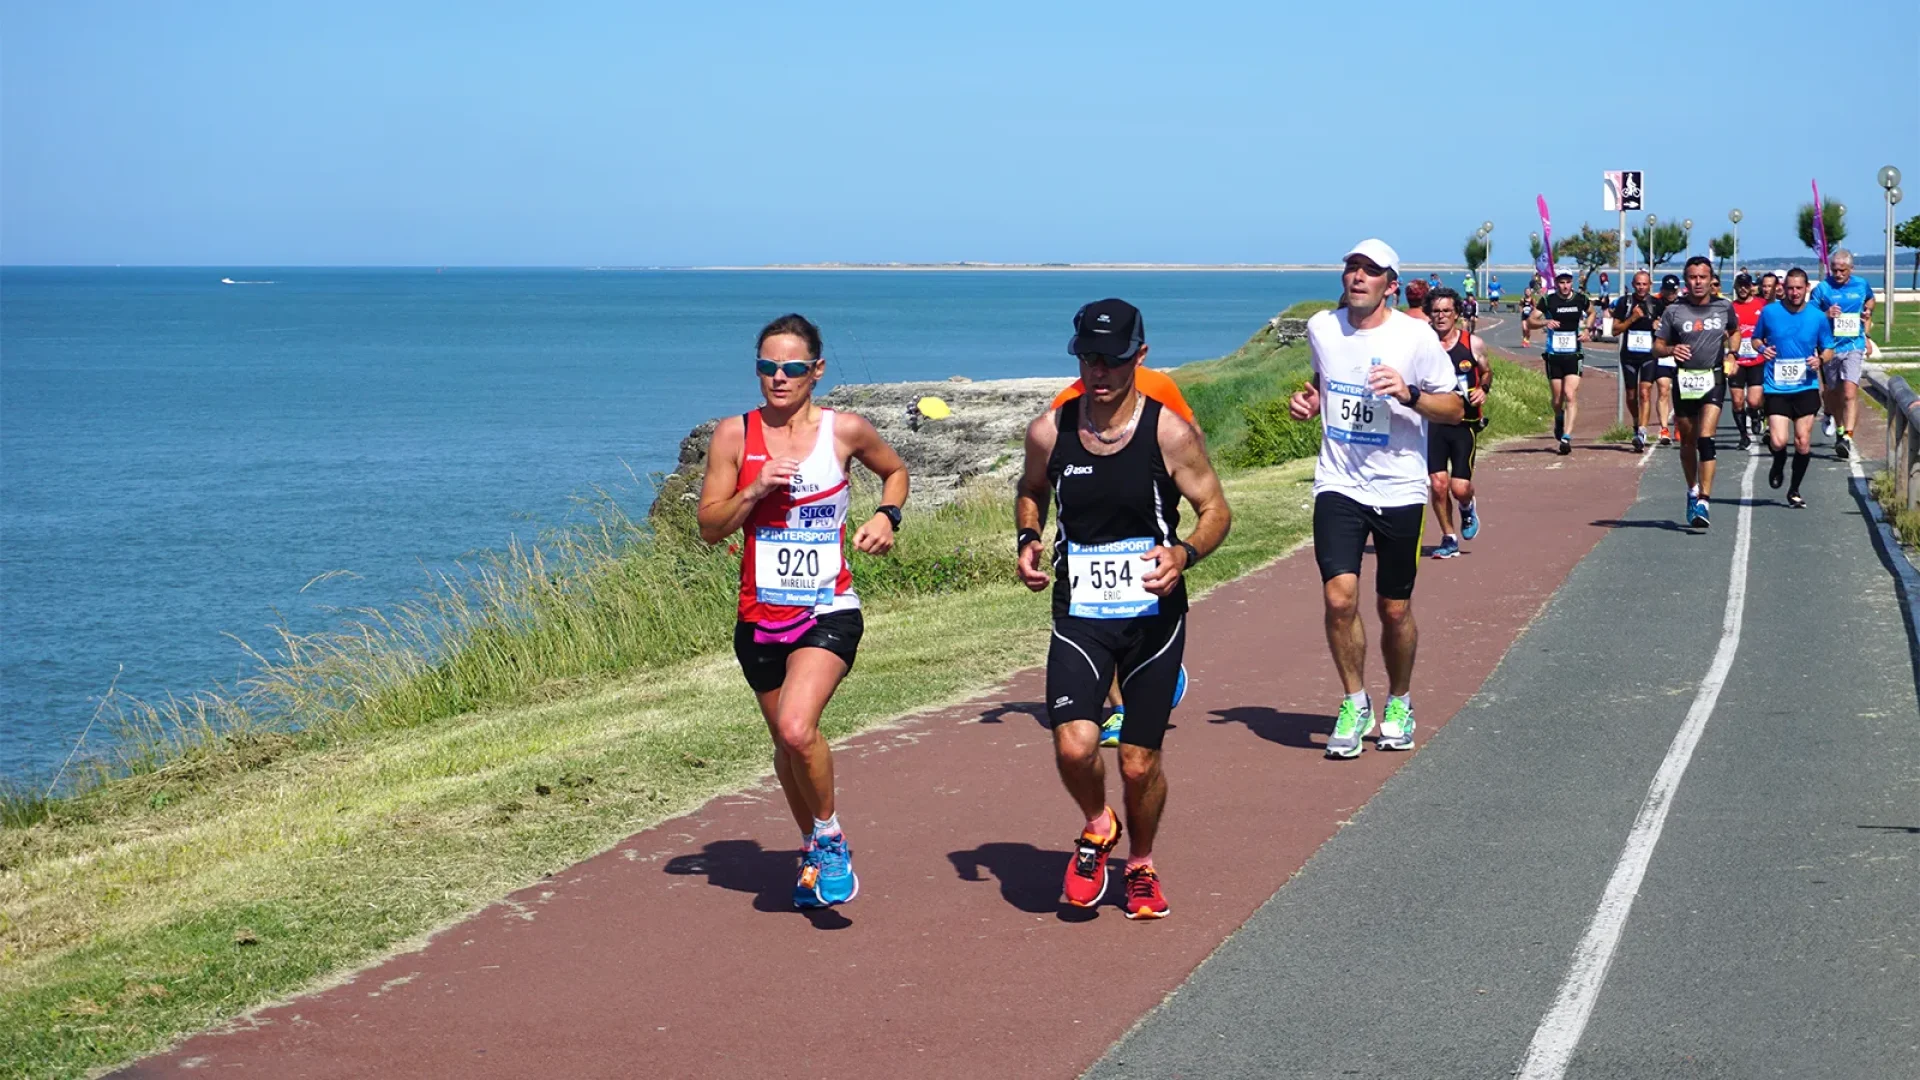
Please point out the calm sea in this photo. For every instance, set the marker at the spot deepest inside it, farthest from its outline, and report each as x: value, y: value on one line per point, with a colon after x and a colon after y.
x: 180, y: 457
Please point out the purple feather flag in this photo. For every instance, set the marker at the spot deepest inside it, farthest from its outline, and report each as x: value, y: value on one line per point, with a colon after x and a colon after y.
x: 1820, y: 228
x: 1544, y: 264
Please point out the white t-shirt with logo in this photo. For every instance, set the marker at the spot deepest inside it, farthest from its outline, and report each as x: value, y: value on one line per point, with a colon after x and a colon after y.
x: 1374, y: 450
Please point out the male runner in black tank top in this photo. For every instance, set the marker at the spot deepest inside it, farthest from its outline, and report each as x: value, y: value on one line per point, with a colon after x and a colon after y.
x: 1115, y: 465
x: 1451, y: 448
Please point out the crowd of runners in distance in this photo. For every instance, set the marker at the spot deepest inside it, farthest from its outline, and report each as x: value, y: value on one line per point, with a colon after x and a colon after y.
x: 1401, y: 396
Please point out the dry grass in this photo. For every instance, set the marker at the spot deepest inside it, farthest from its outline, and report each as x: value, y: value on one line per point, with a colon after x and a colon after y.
x: 228, y: 884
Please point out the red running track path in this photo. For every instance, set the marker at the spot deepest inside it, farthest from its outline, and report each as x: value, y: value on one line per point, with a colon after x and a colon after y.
x: 676, y: 953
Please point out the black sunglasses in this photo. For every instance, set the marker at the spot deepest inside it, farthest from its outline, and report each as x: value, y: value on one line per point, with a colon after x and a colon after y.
x: 1105, y: 361
x: 792, y: 369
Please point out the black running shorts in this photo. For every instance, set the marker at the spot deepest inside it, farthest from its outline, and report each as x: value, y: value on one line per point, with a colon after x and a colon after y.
x: 1716, y: 397
x: 1637, y: 368
x: 1450, y: 449
x: 765, y: 666
x: 1744, y: 377
x: 1562, y: 367
x: 1795, y: 405
x: 1341, y: 527
x: 1145, y: 651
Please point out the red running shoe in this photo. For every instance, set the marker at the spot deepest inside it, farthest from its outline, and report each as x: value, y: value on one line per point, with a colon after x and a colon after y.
x: 1087, y: 870
x: 1144, y: 898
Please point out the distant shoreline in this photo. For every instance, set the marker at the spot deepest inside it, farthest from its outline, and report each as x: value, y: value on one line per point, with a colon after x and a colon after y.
x: 1211, y: 268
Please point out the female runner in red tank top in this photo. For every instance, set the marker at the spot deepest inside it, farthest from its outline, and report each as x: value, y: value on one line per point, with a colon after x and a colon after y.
x: 780, y: 474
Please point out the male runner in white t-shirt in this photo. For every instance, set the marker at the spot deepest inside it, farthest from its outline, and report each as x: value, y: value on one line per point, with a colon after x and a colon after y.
x: 1377, y: 379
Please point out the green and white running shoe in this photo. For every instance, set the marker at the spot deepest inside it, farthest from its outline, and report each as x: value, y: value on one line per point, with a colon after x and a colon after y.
x: 1110, y: 727
x: 1396, y: 727
x: 1349, y: 728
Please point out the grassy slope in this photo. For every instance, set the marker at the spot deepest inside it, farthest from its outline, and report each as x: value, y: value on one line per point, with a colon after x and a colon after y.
x: 172, y: 900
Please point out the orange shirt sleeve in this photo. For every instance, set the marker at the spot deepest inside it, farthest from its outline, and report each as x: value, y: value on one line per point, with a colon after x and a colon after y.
x: 1155, y: 384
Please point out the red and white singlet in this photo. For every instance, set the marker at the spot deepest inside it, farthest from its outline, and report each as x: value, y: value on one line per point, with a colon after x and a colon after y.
x: 792, y: 566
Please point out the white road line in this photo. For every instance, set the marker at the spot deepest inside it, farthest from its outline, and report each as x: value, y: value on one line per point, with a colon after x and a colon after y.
x: 1560, y: 1030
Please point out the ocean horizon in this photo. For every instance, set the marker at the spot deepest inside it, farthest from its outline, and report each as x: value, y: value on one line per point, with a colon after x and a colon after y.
x: 189, y: 462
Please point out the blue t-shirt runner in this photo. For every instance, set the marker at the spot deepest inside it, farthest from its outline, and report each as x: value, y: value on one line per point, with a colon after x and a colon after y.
x: 1795, y: 337
x: 1849, y: 330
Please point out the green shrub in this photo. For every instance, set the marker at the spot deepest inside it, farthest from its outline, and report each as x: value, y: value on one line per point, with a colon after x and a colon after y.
x: 1272, y: 436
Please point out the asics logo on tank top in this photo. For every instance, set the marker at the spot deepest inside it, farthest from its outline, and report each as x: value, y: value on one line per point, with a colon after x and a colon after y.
x: 1077, y: 470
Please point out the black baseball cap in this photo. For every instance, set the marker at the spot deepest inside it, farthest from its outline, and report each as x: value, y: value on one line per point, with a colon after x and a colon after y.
x: 1671, y: 281
x: 1109, y: 327
x: 1743, y: 279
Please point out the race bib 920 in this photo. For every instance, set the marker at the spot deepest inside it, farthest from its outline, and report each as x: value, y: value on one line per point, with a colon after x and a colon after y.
x: 795, y: 567
x: 1104, y: 580
x: 1847, y: 326
x: 1355, y: 414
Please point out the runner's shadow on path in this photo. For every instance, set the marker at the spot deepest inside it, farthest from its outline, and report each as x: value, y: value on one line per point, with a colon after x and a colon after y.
x: 744, y: 866
x: 1029, y: 877
x: 1286, y: 728
x: 1619, y: 523
x: 999, y: 713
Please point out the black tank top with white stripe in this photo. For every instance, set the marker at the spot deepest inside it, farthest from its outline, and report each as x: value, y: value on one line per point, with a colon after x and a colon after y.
x: 1103, y: 499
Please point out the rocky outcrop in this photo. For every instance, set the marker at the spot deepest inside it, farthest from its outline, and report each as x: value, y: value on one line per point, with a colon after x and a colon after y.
x: 981, y: 440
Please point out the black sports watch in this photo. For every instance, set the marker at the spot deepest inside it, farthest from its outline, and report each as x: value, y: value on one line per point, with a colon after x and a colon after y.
x: 892, y: 512
x: 1193, y: 554
x: 1413, y: 394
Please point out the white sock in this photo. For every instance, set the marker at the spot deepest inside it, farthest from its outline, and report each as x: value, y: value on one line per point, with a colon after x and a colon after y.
x: 1359, y: 698
x: 829, y: 827
x: 1693, y: 492
x: 1404, y: 699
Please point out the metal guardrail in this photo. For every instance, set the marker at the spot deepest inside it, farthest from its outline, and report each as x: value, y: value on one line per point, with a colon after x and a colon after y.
x: 1903, y: 432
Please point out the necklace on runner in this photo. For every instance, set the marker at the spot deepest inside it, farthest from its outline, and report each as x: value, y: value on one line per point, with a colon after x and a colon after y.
x: 1139, y: 403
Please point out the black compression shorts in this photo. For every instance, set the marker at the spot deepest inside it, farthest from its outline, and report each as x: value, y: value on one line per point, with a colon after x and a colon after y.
x: 1146, y: 652
x: 765, y: 666
x: 1743, y: 377
x: 1637, y: 368
x: 1450, y: 449
x: 1341, y: 527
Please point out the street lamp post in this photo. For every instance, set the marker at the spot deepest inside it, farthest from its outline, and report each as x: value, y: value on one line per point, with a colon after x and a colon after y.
x: 1890, y: 181
x: 1686, y: 226
x: 1652, y: 221
x: 1486, y: 262
x: 1734, y: 216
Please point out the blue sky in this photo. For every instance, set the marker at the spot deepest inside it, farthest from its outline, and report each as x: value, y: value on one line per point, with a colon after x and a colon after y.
x: 655, y: 133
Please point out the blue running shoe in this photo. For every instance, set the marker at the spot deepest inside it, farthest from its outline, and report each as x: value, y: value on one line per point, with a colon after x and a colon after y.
x: 1469, y: 521
x: 837, y: 883
x: 1449, y: 547
x: 806, y: 891
x: 1180, y: 686
x: 1110, y: 727
x: 1700, y: 519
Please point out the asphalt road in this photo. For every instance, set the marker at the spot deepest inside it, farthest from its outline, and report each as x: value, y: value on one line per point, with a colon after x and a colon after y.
x: 1776, y: 931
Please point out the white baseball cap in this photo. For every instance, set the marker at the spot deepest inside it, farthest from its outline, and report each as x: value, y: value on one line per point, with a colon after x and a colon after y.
x: 1378, y: 252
